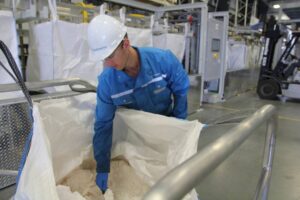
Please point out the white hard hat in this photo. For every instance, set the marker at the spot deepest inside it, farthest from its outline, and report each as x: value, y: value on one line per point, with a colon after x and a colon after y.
x: 105, y: 33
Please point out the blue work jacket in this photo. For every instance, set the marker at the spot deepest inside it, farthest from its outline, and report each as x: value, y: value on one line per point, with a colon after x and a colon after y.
x: 160, y: 87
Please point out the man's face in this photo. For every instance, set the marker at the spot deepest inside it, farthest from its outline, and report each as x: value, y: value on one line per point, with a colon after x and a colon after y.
x: 116, y: 58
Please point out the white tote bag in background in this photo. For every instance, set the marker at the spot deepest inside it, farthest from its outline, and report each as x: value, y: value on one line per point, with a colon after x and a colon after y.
x: 140, y: 37
x: 173, y: 42
x: 59, y: 50
x: 8, y: 35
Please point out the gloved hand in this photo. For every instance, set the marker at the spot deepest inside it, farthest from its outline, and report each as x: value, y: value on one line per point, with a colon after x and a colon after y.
x: 101, y: 181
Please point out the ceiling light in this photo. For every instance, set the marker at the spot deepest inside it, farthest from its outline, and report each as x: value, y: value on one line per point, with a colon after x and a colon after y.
x: 276, y: 6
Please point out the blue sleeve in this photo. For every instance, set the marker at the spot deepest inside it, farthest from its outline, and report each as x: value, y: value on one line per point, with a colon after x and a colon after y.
x: 102, y: 141
x: 179, y: 85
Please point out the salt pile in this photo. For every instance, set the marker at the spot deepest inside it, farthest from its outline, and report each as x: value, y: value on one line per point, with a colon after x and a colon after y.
x: 123, y: 183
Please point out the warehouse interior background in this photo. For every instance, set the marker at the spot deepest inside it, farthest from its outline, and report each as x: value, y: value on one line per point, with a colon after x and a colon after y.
x: 240, y: 55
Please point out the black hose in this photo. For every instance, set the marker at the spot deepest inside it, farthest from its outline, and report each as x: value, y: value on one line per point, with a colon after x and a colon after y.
x: 13, y: 65
x: 19, y: 80
x: 10, y: 74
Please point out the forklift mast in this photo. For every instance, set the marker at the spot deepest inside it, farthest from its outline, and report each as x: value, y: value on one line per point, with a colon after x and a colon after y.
x: 282, y: 67
x: 271, y: 34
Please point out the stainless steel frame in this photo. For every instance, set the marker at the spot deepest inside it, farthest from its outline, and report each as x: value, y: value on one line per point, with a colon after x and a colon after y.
x: 186, y: 176
x: 73, y: 83
x: 205, y: 77
x: 15, y: 122
x: 202, y: 26
x: 8, y: 172
x: 225, y: 17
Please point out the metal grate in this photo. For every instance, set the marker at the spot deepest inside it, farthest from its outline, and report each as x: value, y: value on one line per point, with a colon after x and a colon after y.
x: 15, y: 125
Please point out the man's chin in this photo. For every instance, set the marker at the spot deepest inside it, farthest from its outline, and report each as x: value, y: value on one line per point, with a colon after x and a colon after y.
x: 120, y: 68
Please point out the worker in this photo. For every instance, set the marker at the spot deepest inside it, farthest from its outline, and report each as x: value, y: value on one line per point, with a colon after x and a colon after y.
x: 147, y: 79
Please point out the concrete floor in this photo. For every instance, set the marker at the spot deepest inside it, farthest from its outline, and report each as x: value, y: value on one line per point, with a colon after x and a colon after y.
x: 236, y: 178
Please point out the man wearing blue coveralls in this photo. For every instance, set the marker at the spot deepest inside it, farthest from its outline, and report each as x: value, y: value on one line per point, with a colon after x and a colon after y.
x: 148, y: 79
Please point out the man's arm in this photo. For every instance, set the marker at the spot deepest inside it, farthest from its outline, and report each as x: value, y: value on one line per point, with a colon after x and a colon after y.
x: 102, y: 141
x: 179, y: 84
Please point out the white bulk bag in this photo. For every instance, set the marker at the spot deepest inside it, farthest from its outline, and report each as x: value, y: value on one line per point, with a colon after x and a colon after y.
x: 140, y: 37
x: 9, y: 37
x: 65, y: 52
x: 171, y: 41
x: 58, y: 50
x: 252, y: 56
x: 62, y: 135
x: 237, y: 56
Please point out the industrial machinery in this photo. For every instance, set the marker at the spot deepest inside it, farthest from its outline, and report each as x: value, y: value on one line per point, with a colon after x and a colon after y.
x: 284, y: 77
x: 214, y: 71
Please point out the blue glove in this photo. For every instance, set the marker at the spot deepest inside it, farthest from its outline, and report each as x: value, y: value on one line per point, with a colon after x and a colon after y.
x: 101, y: 181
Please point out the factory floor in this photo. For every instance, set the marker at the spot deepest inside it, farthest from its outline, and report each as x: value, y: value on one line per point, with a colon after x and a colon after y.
x: 236, y: 178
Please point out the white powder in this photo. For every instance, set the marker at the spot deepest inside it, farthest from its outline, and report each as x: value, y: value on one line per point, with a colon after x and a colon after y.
x: 108, y: 195
x: 123, y: 183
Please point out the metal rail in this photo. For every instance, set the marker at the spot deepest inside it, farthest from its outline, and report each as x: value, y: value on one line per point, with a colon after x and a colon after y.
x: 182, y: 179
x: 76, y: 85
x: 49, y: 83
x: 8, y: 172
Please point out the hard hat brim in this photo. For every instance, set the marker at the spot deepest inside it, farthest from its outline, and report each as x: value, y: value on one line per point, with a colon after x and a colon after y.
x: 101, y: 54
